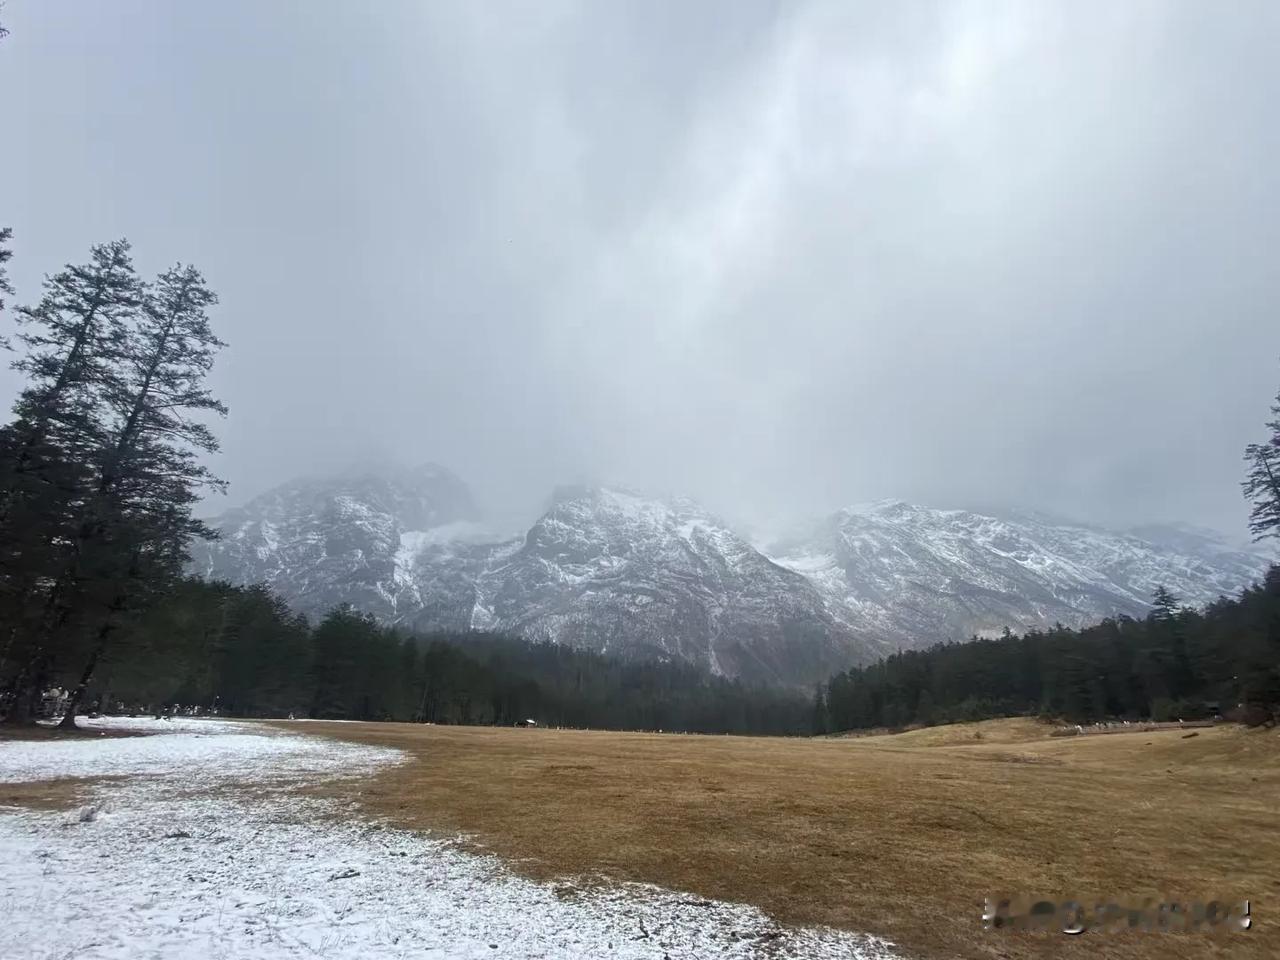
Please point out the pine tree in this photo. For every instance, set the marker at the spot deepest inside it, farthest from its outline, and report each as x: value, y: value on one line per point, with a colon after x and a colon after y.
x: 925, y: 708
x: 340, y: 645
x: 821, y: 723
x: 6, y: 288
x: 72, y: 341
x: 1262, y: 483
x: 134, y: 533
x: 1164, y: 605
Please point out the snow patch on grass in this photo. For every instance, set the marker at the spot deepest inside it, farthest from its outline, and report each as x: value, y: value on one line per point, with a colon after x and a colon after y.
x: 170, y: 867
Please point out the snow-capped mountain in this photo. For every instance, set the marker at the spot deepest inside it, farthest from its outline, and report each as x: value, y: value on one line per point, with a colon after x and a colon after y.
x: 634, y: 576
x: 348, y: 539
x: 912, y: 575
x: 617, y: 572
x: 601, y: 569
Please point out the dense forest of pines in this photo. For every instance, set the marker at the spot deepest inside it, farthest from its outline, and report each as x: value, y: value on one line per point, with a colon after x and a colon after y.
x: 242, y: 649
x: 1175, y: 664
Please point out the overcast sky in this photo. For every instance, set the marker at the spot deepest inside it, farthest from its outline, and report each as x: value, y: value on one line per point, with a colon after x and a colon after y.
x: 780, y: 257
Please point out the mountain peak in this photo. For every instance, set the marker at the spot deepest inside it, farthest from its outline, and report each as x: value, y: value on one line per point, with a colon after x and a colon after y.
x: 888, y: 506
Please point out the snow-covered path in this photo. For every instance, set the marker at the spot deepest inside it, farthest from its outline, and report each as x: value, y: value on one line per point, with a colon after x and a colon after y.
x: 181, y: 864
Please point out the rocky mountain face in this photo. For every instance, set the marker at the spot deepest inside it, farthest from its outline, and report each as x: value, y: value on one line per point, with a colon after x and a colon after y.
x: 633, y: 576
x: 912, y: 575
x: 601, y: 569
x: 623, y: 574
x: 346, y: 539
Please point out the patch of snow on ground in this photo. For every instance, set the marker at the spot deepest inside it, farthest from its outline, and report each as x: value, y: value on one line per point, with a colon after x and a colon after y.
x: 173, y: 868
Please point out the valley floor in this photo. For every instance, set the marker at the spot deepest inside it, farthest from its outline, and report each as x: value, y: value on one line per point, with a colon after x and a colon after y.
x: 902, y: 836
x: 216, y: 840
x: 347, y: 840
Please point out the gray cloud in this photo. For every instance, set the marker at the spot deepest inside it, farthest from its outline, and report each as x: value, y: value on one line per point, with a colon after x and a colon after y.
x: 781, y: 257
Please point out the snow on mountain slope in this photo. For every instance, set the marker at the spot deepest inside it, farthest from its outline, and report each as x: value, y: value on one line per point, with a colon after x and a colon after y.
x: 913, y: 575
x: 633, y: 576
x: 602, y: 569
x: 623, y: 574
x: 347, y: 539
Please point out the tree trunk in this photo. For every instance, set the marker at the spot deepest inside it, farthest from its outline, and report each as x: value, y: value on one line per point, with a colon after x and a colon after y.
x: 422, y: 707
x: 68, y: 721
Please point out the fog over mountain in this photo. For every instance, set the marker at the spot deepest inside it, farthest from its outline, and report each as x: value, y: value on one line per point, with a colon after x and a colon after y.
x: 777, y: 257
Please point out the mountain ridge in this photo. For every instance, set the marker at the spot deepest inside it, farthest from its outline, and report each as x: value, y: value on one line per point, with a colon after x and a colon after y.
x: 929, y: 574
x: 612, y: 570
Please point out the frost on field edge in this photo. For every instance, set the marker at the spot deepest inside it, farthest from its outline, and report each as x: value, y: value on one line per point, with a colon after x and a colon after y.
x: 166, y: 865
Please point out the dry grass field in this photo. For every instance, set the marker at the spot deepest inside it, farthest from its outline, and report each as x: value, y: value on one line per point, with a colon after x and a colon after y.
x: 65, y: 793
x: 900, y: 835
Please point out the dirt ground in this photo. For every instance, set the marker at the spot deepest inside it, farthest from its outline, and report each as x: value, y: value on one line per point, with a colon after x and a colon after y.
x: 64, y: 793
x: 899, y: 835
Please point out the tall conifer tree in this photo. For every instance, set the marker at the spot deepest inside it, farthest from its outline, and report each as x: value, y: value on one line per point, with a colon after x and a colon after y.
x: 1262, y: 483
x: 72, y: 343
x: 136, y: 527
x: 6, y: 287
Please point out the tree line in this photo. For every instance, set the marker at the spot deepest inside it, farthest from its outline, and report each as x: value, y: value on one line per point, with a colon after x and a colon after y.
x: 242, y: 650
x: 1177, y: 663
